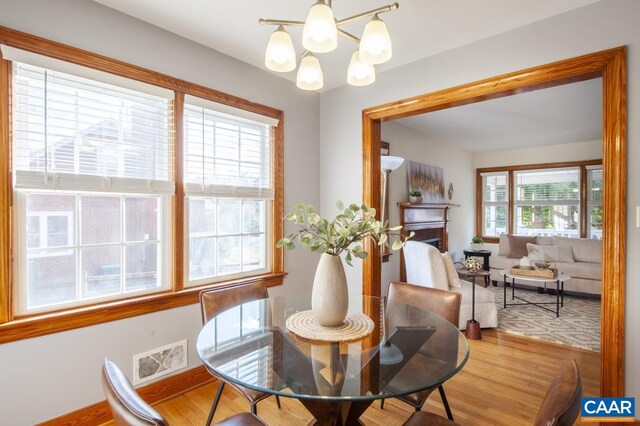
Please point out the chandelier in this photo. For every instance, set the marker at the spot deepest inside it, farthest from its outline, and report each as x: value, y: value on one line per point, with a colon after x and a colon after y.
x: 320, y: 35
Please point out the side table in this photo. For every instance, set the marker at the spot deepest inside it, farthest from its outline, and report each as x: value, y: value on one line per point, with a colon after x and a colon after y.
x: 472, y: 332
x: 485, y: 255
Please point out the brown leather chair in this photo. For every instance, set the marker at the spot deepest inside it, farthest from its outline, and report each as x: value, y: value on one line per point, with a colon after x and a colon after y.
x: 216, y: 301
x: 441, y: 302
x: 560, y: 407
x: 129, y: 409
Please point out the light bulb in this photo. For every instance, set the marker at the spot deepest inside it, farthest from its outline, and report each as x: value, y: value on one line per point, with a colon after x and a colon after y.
x: 309, y: 74
x: 280, y: 55
x: 375, y: 45
x: 320, y: 34
x: 360, y: 73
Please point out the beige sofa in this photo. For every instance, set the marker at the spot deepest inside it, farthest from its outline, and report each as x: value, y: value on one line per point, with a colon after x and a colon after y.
x: 585, y: 271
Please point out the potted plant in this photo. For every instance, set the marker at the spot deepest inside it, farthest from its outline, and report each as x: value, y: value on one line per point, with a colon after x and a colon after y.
x: 344, y: 234
x: 415, y: 197
x: 476, y: 243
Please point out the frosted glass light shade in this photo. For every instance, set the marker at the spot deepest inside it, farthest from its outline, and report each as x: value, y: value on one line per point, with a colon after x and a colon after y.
x: 320, y: 34
x: 360, y: 73
x: 309, y: 74
x: 375, y: 45
x: 280, y: 55
x: 390, y: 162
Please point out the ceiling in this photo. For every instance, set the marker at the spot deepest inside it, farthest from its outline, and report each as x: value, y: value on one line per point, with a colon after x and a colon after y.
x: 419, y: 28
x: 563, y: 114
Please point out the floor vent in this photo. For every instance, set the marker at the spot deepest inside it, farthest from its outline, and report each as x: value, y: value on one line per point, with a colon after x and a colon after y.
x: 159, y: 362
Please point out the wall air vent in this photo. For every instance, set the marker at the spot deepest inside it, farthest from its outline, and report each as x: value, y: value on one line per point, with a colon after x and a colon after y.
x: 159, y: 362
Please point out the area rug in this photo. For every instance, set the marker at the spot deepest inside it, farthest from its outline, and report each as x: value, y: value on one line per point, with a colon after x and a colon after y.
x: 578, y: 325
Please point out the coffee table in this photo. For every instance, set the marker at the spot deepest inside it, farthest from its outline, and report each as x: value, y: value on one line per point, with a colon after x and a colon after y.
x: 559, y: 280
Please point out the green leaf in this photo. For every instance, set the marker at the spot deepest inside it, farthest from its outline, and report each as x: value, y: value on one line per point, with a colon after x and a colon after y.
x: 348, y: 258
x: 291, y: 215
x: 383, y: 239
x: 354, y: 207
x: 291, y: 245
x: 396, y: 228
x: 397, y: 245
x: 340, y: 205
x: 280, y: 243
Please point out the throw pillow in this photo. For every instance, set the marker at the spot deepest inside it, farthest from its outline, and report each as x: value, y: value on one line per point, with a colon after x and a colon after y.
x: 542, y: 253
x: 452, y: 274
x: 518, y: 246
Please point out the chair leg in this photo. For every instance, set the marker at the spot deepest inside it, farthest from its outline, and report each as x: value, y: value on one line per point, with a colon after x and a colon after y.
x: 382, y: 404
x: 445, y: 402
x: 278, y: 402
x: 215, y: 403
x: 254, y: 409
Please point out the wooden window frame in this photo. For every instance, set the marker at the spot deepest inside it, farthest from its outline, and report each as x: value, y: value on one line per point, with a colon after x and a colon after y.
x: 14, y: 328
x: 581, y: 165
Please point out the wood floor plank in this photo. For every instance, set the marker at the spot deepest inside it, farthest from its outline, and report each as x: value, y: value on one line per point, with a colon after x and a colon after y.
x: 502, y: 384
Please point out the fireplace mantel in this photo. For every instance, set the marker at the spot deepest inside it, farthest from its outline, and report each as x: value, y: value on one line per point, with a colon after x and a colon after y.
x: 429, y: 221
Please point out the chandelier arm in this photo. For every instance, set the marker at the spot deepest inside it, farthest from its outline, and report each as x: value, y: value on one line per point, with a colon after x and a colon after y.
x: 351, y: 37
x: 382, y: 9
x: 282, y: 22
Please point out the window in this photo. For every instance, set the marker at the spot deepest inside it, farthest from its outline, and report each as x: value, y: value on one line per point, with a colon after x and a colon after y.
x: 547, y: 202
x: 102, y: 211
x: 544, y: 200
x: 494, y: 203
x: 228, y: 185
x: 88, y: 155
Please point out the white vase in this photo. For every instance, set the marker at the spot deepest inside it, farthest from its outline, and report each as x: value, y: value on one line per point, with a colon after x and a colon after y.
x: 330, y: 295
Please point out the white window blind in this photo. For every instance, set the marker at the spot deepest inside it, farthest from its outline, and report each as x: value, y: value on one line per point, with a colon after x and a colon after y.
x: 495, y: 197
x: 494, y: 188
x: 225, y: 155
x: 73, y: 133
x: 547, y: 187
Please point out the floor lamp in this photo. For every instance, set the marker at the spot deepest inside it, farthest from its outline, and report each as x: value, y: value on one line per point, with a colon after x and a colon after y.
x: 388, y: 164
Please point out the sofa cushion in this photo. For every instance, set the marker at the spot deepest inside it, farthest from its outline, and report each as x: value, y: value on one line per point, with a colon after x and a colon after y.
x: 584, y: 249
x: 452, y: 274
x: 585, y: 270
x: 518, y: 245
x: 502, y: 262
x: 544, y: 241
x: 503, y: 247
x: 554, y: 253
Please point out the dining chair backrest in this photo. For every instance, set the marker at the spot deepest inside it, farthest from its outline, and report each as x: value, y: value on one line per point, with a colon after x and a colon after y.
x: 217, y: 300
x: 561, y: 404
x: 441, y: 302
x: 127, y: 407
x: 424, y: 265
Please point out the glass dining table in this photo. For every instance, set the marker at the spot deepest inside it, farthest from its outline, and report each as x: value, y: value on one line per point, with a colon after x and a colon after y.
x: 409, y: 350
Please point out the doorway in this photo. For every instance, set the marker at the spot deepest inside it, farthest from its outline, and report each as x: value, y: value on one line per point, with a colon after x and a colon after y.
x: 610, y: 65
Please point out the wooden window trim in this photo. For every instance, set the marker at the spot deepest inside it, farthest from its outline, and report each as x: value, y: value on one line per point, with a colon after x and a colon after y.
x: 582, y: 165
x: 14, y: 328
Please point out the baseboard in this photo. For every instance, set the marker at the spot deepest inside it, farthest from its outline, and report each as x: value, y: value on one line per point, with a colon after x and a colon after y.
x: 172, y: 386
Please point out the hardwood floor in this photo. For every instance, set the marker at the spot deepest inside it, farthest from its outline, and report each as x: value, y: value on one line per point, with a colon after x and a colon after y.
x: 503, y: 383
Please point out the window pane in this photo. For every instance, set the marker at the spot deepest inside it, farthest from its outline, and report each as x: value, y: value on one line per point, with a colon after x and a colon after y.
x: 594, y: 189
x: 229, y: 255
x: 252, y: 252
x: 141, y: 217
x: 50, y: 220
x: 101, y: 219
x: 57, y: 231
x: 102, y: 270
x: 33, y: 231
x: 494, y: 220
x: 142, y: 266
x: 51, y: 277
x: 494, y: 188
x: 595, y: 223
x: 548, y: 220
x: 252, y: 216
x: 202, y: 216
x: 202, y: 258
x: 228, y: 216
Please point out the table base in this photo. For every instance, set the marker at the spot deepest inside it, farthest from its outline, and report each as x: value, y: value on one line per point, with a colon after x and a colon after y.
x: 336, y: 413
x: 559, y: 293
x: 472, y: 332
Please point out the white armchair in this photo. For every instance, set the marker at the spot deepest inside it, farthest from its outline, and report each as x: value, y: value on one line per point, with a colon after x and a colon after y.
x: 425, y: 266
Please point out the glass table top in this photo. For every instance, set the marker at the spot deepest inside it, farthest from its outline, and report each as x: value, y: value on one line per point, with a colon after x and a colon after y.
x: 251, y: 346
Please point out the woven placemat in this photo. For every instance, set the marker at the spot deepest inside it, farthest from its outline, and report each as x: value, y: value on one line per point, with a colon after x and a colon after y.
x: 355, y: 326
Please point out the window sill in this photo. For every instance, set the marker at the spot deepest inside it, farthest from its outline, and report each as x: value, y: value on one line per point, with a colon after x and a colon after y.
x: 54, y: 322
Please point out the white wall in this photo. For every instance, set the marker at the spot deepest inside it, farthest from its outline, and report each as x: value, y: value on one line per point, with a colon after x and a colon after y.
x: 457, y: 165
x: 52, y: 375
x: 578, y: 151
x: 602, y: 25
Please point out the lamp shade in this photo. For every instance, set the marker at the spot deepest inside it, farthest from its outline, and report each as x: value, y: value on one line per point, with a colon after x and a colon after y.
x: 375, y: 45
x: 309, y: 73
x: 320, y: 34
x: 360, y: 73
x: 389, y: 162
x: 280, y: 55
